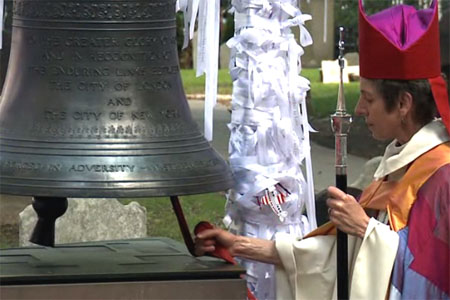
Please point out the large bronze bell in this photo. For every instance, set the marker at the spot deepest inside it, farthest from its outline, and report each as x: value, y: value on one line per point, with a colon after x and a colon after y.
x: 93, y: 104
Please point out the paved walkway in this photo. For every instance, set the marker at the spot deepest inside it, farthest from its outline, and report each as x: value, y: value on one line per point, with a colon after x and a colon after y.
x: 322, y: 157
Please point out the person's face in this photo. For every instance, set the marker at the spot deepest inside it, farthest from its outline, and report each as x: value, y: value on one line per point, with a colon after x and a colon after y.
x: 383, y: 124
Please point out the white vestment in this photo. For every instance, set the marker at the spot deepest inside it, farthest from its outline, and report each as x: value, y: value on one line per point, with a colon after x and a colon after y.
x: 308, y: 268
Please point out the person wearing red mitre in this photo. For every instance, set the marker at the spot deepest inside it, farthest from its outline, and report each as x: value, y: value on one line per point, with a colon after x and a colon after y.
x: 399, y: 230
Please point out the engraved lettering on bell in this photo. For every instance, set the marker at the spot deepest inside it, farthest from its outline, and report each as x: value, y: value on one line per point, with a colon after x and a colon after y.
x: 115, y: 56
x: 119, y: 101
x: 149, y: 41
x: 52, y: 56
x: 170, y: 167
x: 92, y: 86
x: 130, y: 131
x: 101, y: 42
x: 141, y: 115
x: 102, y: 168
x: 86, y: 115
x: 82, y: 42
x: 94, y: 10
x: 30, y: 166
x: 78, y: 71
x: 60, y: 85
x: 170, y: 113
x: 154, y: 86
x: 55, y: 115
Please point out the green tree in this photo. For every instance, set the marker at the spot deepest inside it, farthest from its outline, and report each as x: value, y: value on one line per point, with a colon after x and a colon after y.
x: 226, y: 32
x: 227, y: 21
x: 346, y: 15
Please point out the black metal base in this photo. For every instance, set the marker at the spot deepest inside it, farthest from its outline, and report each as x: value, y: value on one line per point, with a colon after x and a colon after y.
x: 48, y: 210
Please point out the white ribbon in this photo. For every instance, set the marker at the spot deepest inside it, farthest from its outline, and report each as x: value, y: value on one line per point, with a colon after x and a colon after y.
x: 207, y: 48
x: 1, y: 23
x: 190, y: 10
x: 325, y: 20
x: 207, y: 57
x: 269, y: 128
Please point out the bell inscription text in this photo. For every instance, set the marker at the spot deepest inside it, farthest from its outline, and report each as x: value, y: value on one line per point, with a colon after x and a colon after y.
x: 94, y: 10
x: 108, y: 68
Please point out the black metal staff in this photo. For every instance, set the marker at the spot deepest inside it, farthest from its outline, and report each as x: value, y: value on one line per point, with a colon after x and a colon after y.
x: 340, y: 123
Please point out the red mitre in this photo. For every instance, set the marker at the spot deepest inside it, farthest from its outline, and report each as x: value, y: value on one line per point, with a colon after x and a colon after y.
x: 403, y: 43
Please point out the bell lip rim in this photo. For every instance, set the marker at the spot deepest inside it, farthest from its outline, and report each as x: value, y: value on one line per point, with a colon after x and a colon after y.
x: 196, y: 189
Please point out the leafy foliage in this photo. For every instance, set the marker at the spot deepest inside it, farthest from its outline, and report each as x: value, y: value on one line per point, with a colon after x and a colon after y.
x: 346, y: 15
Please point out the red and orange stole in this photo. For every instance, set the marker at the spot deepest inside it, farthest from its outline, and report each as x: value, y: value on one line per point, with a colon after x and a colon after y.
x: 398, y: 197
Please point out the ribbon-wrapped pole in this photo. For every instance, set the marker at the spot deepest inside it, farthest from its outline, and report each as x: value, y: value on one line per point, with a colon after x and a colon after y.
x: 340, y: 123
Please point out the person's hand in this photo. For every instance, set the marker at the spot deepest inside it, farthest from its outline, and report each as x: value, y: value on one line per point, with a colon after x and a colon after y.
x: 346, y: 213
x: 207, y: 240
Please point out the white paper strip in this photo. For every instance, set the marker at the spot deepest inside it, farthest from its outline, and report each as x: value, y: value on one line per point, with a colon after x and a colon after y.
x: 325, y: 20
x: 1, y: 22
x: 269, y: 130
x: 207, y: 57
x: 207, y: 48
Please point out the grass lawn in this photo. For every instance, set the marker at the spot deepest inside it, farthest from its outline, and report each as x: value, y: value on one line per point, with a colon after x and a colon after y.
x: 161, y: 220
x: 196, y: 85
x: 323, y: 96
